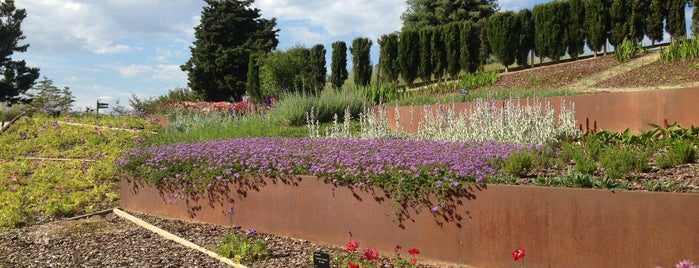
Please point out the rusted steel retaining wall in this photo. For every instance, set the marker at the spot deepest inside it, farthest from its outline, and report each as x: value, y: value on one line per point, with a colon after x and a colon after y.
x: 615, y: 111
x: 559, y: 227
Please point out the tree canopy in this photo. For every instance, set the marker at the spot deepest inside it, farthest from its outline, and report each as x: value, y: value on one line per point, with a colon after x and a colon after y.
x: 503, y: 36
x: 229, y: 31
x: 338, y: 66
x: 15, y: 77
x: 361, y: 61
x: 48, y: 97
x: 423, y: 13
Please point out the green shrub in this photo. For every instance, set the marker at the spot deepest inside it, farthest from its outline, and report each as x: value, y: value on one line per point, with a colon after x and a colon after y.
x: 626, y: 50
x: 681, y: 50
x: 242, y: 249
x: 384, y: 93
x: 617, y: 162
x: 293, y: 108
x: 517, y: 163
x: 479, y: 79
x: 677, y: 153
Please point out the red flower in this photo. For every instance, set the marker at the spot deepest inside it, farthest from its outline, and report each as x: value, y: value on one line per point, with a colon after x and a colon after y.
x: 352, y: 245
x: 414, y: 251
x: 352, y: 265
x: 413, y: 261
x: 398, y: 248
x: 371, y: 254
x: 519, y: 253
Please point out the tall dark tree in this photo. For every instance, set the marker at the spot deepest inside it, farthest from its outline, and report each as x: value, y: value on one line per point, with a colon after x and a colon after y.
x: 338, y: 66
x: 654, y: 25
x: 388, y: 57
x: 16, y: 77
x: 426, y: 67
x: 452, y: 47
x: 503, y: 37
x: 422, y: 13
x: 470, y: 46
x: 575, y: 32
x: 549, y: 29
x: 525, y: 42
x: 439, y: 53
x: 361, y: 61
x: 676, y: 25
x: 695, y: 19
x: 483, y: 47
x: 318, y: 67
x: 253, y: 78
x: 229, y: 31
x: 619, y: 14
x: 640, y: 10
x: 409, y: 55
x: 596, y: 25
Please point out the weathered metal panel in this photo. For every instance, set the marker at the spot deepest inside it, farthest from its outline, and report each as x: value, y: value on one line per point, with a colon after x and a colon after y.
x: 559, y: 227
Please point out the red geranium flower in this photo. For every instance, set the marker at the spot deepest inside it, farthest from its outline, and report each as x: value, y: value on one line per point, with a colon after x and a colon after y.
x: 352, y: 245
x: 352, y: 265
x: 519, y: 253
x: 371, y: 254
x: 414, y: 251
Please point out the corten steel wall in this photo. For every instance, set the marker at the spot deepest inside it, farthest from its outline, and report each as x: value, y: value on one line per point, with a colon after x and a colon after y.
x: 559, y: 227
x: 615, y: 111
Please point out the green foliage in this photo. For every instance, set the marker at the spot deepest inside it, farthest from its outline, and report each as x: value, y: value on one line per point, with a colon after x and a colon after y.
x: 627, y: 50
x: 152, y: 105
x: 583, y: 157
x: 618, y: 162
x: 318, y: 69
x: 426, y: 65
x: 424, y: 13
x: 654, y: 24
x: 383, y: 93
x: 695, y: 19
x: 253, y: 83
x: 517, y: 163
x: 361, y: 62
x: 679, y: 152
x: 452, y: 47
x: 439, y: 53
x: 596, y: 24
x: 676, y: 23
x: 16, y: 78
x: 35, y: 189
x: 289, y: 71
x: 51, y: 99
x: 503, y: 36
x: 619, y: 14
x: 9, y: 113
x: 549, y: 36
x: 293, y: 108
x: 338, y: 66
x: 229, y: 31
x: 681, y: 50
x: 640, y: 12
x: 409, y: 56
x: 575, y: 33
x: 388, y: 58
x: 470, y: 46
x: 525, y: 43
x: 243, y: 249
x: 479, y: 79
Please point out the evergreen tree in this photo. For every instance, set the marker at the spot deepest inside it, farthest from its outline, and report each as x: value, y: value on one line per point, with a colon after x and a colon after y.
x: 549, y: 29
x: 426, y: 67
x: 525, y: 42
x: 676, y: 25
x: 439, y: 53
x: 470, y: 46
x: 654, y: 24
x: 595, y: 26
x: 422, y: 13
x: 16, y: 77
x: 575, y: 32
x: 290, y: 71
x: 483, y: 47
x: 452, y: 48
x: 640, y: 10
x: 619, y: 14
x: 338, y: 66
x: 361, y: 62
x: 253, y: 78
x: 228, y: 32
x: 695, y: 19
x: 318, y: 67
x: 46, y: 96
x: 503, y: 37
x: 388, y: 57
x: 409, y: 55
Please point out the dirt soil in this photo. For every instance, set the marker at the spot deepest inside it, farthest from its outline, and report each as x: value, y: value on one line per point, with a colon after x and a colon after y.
x: 110, y: 241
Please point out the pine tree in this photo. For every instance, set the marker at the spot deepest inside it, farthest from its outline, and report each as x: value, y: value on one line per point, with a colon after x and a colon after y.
x: 338, y: 66
x: 503, y: 37
x: 423, y: 13
x: 228, y: 32
x: 388, y: 57
x: 49, y: 98
x: 654, y: 24
x: 361, y: 62
x: 16, y: 77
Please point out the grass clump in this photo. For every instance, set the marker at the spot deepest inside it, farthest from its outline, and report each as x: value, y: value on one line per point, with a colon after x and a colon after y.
x: 678, y: 153
x: 243, y: 249
x: 293, y: 108
x: 618, y: 162
x: 681, y: 50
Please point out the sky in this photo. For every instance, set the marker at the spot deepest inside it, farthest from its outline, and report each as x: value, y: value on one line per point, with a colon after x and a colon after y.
x: 113, y: 49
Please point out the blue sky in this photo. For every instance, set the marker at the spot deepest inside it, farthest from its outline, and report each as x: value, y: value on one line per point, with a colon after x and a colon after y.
x: 111, y: 49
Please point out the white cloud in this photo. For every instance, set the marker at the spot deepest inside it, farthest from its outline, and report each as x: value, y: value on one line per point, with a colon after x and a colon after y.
x: 134, y: 70
x: 169, y: 73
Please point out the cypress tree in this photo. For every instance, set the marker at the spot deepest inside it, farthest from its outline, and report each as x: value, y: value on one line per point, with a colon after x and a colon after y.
x: 253, y: 78
x: 361, y: 61
x: 695, y: 19
x: 426, y: 67
x: 525, y: 27
x: 408, y: 55
x: 439, y: 53
x: 619, y: 14
x: 549, y: 28
x: 596, y: 19
x: 637, y: 21
x: 575, y: 32
x: 452, y: 48
x: 318, y: 67
x: 470, y: 46
x: 676, y: 25
x: 654, y: 24
x: 503, y: 37
x: 338, y: 66
x: 484, y: 47
x: 388, y: 57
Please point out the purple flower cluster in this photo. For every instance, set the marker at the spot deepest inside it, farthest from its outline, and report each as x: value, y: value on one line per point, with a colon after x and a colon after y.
x: 383, y: 162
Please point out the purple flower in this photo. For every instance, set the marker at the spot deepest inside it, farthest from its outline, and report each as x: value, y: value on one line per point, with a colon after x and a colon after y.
x: 12, y: 188
x: 229, y: 212
x: 435, y: 208
x: 685, y: 264
x: 250, y: 232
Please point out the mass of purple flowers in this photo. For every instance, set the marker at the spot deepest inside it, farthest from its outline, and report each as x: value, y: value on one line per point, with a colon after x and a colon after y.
x: 381, y: 162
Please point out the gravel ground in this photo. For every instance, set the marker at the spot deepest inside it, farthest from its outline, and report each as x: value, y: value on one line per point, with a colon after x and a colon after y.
x: 111, y: 241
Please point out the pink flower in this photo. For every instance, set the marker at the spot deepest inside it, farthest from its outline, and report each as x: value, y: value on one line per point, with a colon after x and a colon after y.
x: 518, y: 254
x: 398, y: 248
x: 685, y: 264
x: 12, y: 189
x: 371, y: 254
x: 414, y: 251
x: 352, y: 245
x: 413, y: 261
